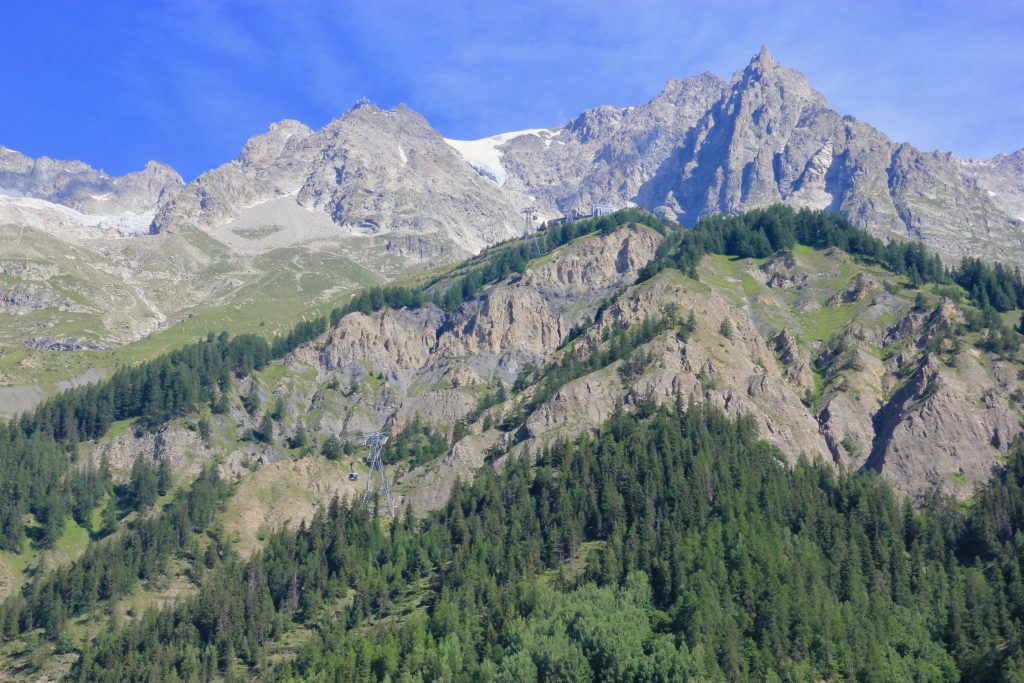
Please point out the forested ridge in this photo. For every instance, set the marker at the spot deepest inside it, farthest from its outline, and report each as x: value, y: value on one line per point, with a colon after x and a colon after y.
x: 37, y: 448
x: 762, y: 232
x: 673, y: 545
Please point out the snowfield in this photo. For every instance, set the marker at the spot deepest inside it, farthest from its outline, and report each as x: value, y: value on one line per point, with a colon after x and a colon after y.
x: 62, y: 220
x: 484, y: 155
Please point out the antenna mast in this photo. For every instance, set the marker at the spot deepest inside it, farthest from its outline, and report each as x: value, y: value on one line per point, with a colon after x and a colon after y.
x: 377, y: 441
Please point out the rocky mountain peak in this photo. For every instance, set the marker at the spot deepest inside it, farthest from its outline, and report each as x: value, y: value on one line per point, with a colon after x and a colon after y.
x: 763, y: 58
x: 700, y: 146
x: 370, y: 170
x: 268, y: 147
x: 681, y: 92
x: 154, y: 167
x: 87, y: 190
x: 764, y: 75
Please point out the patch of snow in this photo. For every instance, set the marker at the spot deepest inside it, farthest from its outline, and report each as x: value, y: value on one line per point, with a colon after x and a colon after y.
x: 401, y: 155
x: 484, y: 155
x: 60, y: 219
x: 101, y: 197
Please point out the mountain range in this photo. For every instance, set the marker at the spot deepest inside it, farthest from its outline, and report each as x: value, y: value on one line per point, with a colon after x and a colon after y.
x: 701, y: 146
x: 93, y: 261
x: 679, y: 391
x: 829, y: 385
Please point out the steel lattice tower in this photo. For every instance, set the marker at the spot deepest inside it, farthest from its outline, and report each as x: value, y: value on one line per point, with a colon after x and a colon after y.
x: 377, y: 441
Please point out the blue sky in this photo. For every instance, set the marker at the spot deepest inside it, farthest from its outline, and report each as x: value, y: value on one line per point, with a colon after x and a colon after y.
x: 118, y: 82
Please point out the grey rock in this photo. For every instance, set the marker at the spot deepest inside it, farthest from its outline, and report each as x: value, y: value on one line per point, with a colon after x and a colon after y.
x: 369, y: 171
x: 79, y: 186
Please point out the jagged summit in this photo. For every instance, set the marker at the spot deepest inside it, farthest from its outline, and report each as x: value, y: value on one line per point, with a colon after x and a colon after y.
x: 700, y: 146
x: 90, y: 191
x: 369, y: 171
x: 676, y: 90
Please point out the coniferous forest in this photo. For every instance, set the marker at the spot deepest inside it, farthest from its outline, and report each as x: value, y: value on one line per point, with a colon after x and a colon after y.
x: 672, y: 546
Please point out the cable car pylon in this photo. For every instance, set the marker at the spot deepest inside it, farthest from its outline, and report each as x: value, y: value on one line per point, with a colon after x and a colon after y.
x: 376, y: 442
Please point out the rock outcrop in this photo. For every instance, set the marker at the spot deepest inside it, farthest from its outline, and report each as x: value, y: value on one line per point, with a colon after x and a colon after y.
x: 832, y: 366
x: 369, y: 171
x: 83, y: 188
x: 701, y: 146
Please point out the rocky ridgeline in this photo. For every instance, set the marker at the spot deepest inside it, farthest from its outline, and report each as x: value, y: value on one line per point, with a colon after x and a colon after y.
x: 83, y: 188
x: 379, y: 193
x: 369, y: 171
x: 701, y: 146
x: 875, y: 395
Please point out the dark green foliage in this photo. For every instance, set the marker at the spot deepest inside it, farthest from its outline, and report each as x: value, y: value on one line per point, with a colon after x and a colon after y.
x: 203, y: 426
x: 715, y: 562
x: 418, y: 443
x: 36, y: 448
x: 265, y: 431
x: 725, y: 329
x: 999, y: 337
x: 85, y: 488
x: 300, y: 439
x: 989, y: 286
x: 332, y: 448
x: 303, y: 332
x: 111, y: 568
x: 51, y: 516
x: 280, y: 407
x: 763, y: 232
x: 251, y: 401
x: 376, y: 298
x: 163, y: 477
x: 143, y: 487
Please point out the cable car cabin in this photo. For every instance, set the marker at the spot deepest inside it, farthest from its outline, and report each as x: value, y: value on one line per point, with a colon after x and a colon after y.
x: 353, y: 476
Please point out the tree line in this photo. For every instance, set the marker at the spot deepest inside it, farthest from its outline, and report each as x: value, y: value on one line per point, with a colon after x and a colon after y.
x: 37, y: 448
x: 673, y: 545
x: 761, y: 233
x: 492, y: 265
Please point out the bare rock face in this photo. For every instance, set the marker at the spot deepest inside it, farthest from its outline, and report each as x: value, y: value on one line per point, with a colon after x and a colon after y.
x: 739, y: 375
x: 772, y: 139
x: 606, y: 154
x: 22, y: 299
x: 83, y: 188
x: 519, y: 321
x: 795, y: 359
x: 1002, y: 179
x: 370, y: 171
x: 270, y: 165
x: 389, y: 340
x: 960, y: 417
x: 598, y: 263
x: 181, y: 447
x: 429, y: 488
x: 703, y: 146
